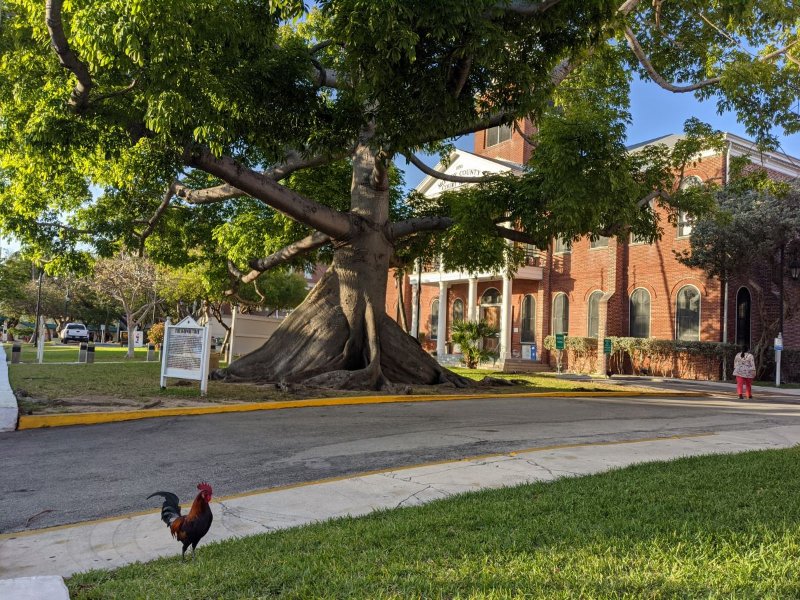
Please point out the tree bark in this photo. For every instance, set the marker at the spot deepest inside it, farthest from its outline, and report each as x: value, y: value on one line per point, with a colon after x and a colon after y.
x: 341, y: 336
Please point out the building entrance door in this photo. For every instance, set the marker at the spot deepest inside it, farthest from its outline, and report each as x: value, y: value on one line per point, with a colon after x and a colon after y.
x: 491, y: 314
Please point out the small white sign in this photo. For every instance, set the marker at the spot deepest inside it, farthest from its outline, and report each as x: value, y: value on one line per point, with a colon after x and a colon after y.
x: 138, y: 339
x: 185, y: 352
x: 778, y: 342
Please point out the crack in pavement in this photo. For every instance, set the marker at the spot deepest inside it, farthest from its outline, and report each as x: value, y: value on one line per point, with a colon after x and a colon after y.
x: 406, y: 499
x: 231, y: 512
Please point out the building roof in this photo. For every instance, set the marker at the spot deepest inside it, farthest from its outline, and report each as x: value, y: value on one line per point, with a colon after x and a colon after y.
x: 465, y: 164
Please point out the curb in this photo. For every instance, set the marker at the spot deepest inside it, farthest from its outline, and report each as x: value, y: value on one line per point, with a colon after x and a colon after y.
x: 95, y: 418
x: 9, y: 410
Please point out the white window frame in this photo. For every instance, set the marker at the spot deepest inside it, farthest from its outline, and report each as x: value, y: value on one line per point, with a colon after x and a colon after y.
x: 522, y: 319
x: 453, y: 312
x: 565, y: 318
x: 649, y: 315
x: 699, y: 312
x: 685, y: 224
x: 434, y: 319
x: 562, y: 246
x: 501, y: 133
x: 599, y: 295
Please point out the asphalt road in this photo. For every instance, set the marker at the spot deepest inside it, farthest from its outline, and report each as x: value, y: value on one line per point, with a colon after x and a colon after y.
x: 64, y: 475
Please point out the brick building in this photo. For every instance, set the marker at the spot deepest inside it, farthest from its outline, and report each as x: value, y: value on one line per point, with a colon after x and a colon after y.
x: 609, y: 287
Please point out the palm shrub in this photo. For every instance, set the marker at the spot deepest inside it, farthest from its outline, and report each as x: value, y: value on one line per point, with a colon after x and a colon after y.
x: 469, y: 335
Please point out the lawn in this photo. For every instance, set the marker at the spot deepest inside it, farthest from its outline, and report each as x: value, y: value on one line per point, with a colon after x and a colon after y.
x: 55, y: 352
x: 114, y: 383
x: 709, y: 527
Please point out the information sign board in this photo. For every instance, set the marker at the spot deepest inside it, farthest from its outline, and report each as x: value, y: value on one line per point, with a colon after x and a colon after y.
x: 185, y: 352
x: 560, y: 341
x: 606, y: 346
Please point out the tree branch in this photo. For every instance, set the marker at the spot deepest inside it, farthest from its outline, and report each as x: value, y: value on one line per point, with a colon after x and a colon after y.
x: 294, y: 162
x: 405, y: 228
x: 514, y: 235
x: 637, y: 50
x: 120, y: 92
x: 285, y: 254
x: 521, y: 7
x: 151, y: 223
x: 79, y: 99
x: 626, y: 7
x: 443, y: 176
x: 218, y: 193
x: 298, y: 207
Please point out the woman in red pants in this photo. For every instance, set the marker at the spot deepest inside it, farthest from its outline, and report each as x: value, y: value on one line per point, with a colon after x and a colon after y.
x: 744, y: 367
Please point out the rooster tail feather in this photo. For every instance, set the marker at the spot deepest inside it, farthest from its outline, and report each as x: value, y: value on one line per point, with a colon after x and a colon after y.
x: 171, y: 508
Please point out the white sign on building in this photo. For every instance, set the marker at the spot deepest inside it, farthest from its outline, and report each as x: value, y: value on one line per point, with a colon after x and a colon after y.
x: 186, y: 352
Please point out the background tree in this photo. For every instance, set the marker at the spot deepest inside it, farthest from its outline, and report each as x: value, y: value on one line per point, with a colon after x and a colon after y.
x: 15, y: 275
x: 179, y: 126
x: 134, y: 283
x: 756, y: 220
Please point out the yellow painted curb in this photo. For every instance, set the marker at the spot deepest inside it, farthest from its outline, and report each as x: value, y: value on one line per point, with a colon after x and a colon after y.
x: 94, y: 418
x: 293, y: 486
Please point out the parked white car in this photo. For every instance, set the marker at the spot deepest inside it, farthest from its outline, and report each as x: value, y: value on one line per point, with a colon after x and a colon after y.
x: 74, y: 332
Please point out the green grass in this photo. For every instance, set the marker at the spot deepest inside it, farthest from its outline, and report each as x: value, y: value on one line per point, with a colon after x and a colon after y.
x: 57, y: 352
x: 114, y: 383
x: 709, y: 527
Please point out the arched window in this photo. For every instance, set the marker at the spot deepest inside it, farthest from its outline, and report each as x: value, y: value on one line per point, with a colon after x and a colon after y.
x: 639, y: 318
x: 528, y: 328
x: 594, y: 313
x: 434, y: 320
x: 491, y: 296
x: 743, y: 305
x: 687, y: 314
x: 560, y: 313
x: 458, y: 310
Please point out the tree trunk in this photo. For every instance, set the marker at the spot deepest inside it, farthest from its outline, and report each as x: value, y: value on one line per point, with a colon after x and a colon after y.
x: 341, y: 336
x: 131, y: 336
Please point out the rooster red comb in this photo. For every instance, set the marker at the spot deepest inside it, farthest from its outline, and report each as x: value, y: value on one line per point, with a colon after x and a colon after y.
x: 204, y: 487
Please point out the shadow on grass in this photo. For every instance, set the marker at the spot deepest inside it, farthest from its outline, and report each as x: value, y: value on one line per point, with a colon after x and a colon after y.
x: 711, y: 527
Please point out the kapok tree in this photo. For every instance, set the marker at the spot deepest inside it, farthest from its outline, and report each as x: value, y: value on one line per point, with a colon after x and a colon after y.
x: 153, y: 113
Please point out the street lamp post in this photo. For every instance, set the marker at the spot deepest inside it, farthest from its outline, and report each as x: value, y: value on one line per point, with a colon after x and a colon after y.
x: 38, y: 307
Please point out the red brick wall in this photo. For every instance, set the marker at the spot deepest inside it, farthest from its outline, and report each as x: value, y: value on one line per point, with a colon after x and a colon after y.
x: 516, y: 149
x: 622, y: 267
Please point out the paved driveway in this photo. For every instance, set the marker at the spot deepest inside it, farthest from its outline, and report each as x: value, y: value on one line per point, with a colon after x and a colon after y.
x: 71, y: 474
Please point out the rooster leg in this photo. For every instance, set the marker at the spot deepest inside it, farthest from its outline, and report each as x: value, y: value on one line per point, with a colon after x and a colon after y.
x: 193, y: 556
x: 183, y: 554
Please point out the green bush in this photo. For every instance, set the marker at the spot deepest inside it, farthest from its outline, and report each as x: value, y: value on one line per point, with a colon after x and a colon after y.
x: 666, y: 358
x: 155, y: 334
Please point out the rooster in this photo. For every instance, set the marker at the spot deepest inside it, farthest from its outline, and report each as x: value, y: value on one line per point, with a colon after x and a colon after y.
x: 187, y: 529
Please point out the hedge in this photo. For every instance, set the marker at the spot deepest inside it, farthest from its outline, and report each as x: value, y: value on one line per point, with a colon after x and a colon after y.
x: 652, y: 356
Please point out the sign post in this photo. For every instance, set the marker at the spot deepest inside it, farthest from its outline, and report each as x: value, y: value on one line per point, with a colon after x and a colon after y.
x: 778, y: 343
x: 185, y: 352
x: 560, y: 343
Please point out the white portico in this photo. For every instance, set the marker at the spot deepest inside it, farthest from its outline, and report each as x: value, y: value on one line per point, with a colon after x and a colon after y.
x: 495, y: 304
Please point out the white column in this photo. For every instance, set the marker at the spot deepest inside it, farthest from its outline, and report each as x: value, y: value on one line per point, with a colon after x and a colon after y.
x: 505, y: 320
x: 441, y: 330
x: 414, y: 316
x: 472, y: 299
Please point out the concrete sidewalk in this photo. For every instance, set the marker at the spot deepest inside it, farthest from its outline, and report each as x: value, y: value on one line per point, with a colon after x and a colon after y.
x: 115, y: 542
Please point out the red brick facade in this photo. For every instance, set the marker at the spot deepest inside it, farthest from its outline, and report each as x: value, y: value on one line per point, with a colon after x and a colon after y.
x: 617, y: 270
